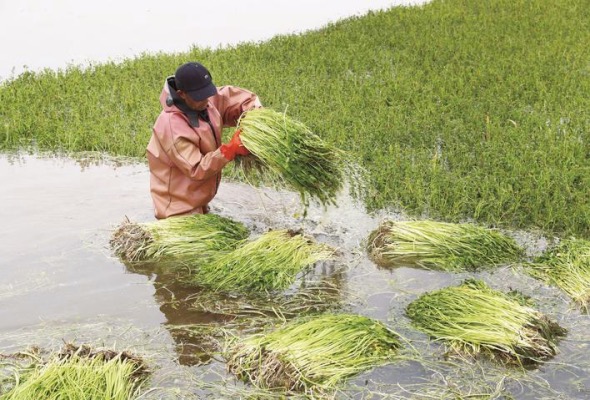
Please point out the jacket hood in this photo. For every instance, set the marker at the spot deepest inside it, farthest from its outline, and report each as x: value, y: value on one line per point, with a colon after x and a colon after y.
x: 169, y: 98
x: 172, y: 102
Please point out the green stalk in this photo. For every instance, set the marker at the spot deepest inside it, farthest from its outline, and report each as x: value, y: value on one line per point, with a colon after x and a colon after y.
x: 566, y: 266
x: 474, y: 318
x: 440, y: 245
x: 312, y: 352
x: 192, y: 238
x: 289, y: 149
x: 77, y: 377
x: 269, y: 263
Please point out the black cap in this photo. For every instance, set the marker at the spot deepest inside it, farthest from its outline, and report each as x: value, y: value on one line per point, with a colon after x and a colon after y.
x: 195, y: 80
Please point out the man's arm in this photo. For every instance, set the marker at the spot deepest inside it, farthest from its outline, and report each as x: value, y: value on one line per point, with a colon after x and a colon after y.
x: 232, y: 101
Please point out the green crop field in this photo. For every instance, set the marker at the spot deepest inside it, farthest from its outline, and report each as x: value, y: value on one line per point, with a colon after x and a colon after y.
x: 458, y: 109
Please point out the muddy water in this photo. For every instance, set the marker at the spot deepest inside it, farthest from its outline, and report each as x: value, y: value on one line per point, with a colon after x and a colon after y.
x: 59, y: 281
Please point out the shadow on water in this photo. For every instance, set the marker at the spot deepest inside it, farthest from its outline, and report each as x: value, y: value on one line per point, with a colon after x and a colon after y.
x: 60, y: 281
x: 198, y: 318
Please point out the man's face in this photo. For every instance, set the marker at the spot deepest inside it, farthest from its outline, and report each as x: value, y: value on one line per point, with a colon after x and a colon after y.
x: 193, y: 104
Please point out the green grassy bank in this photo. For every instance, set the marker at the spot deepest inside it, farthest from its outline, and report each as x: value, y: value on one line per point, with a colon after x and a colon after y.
x: 458, y: 108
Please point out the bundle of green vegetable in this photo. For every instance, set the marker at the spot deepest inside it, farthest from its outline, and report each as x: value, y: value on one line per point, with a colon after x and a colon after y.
x: 473, y: 318
x: 192, y: 238
x: 268, y: 263
x: 566, y: 266
x: 289, y: 149
x: 79, y: 376
x: 317, y: 352
x: 440, y: 245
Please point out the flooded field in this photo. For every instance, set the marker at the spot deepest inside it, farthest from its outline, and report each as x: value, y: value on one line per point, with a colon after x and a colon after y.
x: 60, y: 282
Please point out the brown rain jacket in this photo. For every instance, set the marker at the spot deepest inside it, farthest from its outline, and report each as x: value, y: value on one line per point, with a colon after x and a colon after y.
x: 183, y: 153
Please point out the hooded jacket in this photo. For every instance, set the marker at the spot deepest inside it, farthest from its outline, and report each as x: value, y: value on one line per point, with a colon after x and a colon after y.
x: 183, y: 153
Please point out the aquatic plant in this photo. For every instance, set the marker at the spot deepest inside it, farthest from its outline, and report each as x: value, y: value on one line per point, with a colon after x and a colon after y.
x: 192, y: 238
x: 268, y: 263
x: 567, y: 266
x: 440, y: 245
x: 308, y: 353
x: 80, y: 373
x: 231, y: 314
x: 480, y: 119
x: 288, y: 148
x: 472, y: 318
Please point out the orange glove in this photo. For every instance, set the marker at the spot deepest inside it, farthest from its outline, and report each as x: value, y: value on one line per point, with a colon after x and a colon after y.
x: 234, y: 147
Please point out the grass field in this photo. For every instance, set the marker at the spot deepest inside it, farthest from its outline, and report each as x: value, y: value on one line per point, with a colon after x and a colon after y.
x: 458, y: 109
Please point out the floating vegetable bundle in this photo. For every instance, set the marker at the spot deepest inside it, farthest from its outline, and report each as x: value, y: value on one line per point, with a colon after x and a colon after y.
x: 566, y: 266
x: 81, y: 375
x: 440, y: 245
x: 474, y: 318
x: 271, y: 262
x: 317, y: 352
x: 289, y: 149
x: 191, y: 238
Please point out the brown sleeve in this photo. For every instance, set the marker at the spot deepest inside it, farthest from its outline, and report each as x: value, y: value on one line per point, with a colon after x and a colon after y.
x: 232, y: 101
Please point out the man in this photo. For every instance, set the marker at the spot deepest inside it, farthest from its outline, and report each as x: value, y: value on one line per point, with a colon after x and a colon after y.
x: 185, y: 152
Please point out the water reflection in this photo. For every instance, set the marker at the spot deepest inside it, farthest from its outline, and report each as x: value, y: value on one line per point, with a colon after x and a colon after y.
x: 175, y: 299
x: 198, y: 319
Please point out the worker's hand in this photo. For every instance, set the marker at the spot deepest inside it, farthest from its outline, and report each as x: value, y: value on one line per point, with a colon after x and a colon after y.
x: 234, y: 147
x: 242, y: 150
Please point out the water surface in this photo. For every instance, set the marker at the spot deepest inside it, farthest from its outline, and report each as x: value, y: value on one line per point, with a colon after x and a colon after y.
x: 60, y: 282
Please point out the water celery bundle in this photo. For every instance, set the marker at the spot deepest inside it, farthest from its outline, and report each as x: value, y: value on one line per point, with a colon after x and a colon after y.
x: 440, y: 245
x: 192, y: 238
x: 473, y: 318
x: 270, y: 262
x: 566, y: 266
x: 78, y: 376
x: 312, y: 352
x: 289, y: 149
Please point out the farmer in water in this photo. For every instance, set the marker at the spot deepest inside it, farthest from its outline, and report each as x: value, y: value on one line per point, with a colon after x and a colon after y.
x: 185, y: 152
